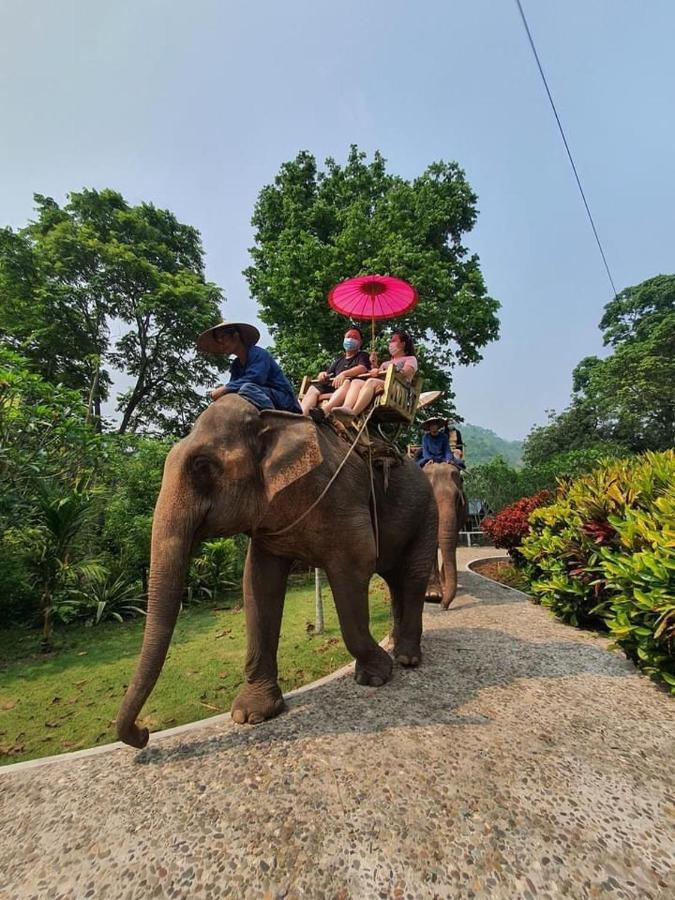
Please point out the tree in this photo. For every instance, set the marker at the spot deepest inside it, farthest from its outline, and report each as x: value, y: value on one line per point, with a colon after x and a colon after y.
x: 315, y: 228
x: 576, y: 428
x: 49, y: 460
x: 628, y: 399
x: 77, y: 271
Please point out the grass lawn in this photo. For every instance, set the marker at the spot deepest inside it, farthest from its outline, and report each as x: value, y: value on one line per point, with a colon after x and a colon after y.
x: 68, y: 700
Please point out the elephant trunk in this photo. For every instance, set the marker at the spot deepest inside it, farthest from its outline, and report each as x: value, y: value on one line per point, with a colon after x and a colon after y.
x: 447, y: 542
x: 168, y: 569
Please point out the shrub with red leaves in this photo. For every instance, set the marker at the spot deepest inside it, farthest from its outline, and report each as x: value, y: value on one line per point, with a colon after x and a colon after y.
x: 599, y: 532
x: 509, y: 527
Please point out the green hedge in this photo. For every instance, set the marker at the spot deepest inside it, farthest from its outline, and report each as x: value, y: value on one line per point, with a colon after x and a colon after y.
x: 603, y: 554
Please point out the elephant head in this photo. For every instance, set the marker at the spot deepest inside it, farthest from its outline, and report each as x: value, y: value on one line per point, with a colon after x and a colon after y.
x: 219, y: 481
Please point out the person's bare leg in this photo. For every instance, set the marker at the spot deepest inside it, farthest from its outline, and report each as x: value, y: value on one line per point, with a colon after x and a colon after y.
x: 365, y: 397
x: 310, y: 400
x: 338, y: 398
x: 355, y: 388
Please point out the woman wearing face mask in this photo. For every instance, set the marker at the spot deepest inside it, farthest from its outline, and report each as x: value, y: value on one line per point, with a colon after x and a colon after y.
x: 362, y: 392
x: 335, y: 380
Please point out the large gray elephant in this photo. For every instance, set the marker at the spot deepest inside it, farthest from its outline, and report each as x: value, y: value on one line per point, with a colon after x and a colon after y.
x: 447, y: 486
x: 243, y: 471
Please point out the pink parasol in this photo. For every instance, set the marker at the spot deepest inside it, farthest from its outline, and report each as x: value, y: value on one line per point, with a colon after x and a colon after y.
x: 372, y: 297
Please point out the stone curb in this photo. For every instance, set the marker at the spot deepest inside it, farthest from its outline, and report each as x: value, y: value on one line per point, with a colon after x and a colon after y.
x: 492, y: 580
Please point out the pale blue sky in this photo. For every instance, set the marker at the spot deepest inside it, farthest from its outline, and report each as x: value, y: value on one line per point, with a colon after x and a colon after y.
x: 194, y: 106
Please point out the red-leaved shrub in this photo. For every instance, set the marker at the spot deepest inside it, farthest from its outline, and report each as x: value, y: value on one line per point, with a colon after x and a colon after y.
x: 509, y: 527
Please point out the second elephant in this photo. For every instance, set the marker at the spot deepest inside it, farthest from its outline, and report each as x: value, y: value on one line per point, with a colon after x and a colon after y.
x: 446, y: 482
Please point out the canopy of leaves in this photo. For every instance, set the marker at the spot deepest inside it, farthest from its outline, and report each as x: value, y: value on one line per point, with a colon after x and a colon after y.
x: 315, y: 228
x: 628, y: 399
x: 82, y: 272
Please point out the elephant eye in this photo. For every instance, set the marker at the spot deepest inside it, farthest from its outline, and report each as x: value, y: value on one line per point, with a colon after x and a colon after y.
x: 203, y: 470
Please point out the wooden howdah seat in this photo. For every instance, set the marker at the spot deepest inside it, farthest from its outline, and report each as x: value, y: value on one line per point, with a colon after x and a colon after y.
x: 397, y: 404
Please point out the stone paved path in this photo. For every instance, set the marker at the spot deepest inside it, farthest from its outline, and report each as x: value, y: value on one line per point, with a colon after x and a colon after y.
x: 523, y: 759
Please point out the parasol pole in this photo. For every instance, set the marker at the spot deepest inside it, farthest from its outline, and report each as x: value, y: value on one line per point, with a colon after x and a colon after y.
x: 372, y: 326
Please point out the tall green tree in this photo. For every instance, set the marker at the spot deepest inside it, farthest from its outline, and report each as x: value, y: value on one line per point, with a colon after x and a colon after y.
x: 315, y: 228
x: 80, y: 274
x: 627, y: 399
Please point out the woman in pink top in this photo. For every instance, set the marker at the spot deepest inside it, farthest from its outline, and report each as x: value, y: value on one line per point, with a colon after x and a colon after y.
x: 362, y: 391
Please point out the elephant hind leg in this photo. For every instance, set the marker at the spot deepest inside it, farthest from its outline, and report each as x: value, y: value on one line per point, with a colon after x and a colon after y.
x: 350, y: 593
x: 408, y: 585
x: 407, y: 603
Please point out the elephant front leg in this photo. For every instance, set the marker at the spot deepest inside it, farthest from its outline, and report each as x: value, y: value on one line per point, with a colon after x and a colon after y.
x: 350, y: 593
x: 265, y: 578
x: 434, y: 591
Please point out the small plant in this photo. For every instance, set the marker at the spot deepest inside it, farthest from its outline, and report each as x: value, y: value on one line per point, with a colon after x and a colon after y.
x: 508, y: 528
x: 215, y: 571
x: 101, y: 596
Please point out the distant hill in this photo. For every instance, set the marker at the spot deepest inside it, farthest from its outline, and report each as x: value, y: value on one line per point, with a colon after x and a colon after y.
x: 481, y: 445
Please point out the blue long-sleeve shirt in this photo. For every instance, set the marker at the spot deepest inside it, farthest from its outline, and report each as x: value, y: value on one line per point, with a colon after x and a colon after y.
x: 261, y: 369
x: 436, y: 447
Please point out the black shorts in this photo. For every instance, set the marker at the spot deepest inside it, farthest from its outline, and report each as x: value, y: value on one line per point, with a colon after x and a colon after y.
x: 323, y: 387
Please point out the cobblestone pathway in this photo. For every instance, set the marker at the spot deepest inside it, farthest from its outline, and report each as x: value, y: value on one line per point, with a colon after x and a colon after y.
x: 523, y: 759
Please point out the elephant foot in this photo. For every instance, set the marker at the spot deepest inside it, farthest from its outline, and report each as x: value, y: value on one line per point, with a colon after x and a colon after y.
x: 408, y: 654
x: 375, y: 671
x: 256, y: 702
x: 433, y: 596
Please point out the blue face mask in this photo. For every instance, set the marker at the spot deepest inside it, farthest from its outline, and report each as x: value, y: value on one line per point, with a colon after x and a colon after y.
x: 350, y: 344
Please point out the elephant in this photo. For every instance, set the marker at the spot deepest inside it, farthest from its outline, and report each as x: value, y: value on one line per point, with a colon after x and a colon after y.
x: 446, y: 482
x: 260, y: 473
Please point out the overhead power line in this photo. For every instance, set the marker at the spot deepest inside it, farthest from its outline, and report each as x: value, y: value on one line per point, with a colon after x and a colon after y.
x: 567, y: 146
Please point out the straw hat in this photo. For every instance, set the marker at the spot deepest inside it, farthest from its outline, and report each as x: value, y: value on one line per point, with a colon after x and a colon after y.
x: 206, y: 342
x: 443, y: 423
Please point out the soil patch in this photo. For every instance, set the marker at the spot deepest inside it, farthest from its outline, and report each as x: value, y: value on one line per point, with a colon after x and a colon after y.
x: 501, y: 570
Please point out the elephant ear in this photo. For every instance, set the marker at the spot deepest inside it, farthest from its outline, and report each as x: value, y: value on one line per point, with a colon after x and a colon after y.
x: 290, y: 449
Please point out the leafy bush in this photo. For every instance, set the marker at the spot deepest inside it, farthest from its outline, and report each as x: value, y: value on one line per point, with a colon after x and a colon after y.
x: 99, y: 596
x: 215, y: 571
x: 133, y: 482
x: 509, y: 527
x: 604, y: 553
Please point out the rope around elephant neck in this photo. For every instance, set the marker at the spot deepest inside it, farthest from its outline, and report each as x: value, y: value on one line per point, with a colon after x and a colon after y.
x: 332, y: 479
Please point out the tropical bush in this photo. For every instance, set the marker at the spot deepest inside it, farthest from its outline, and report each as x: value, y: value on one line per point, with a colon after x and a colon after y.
x: 215, y: 571
x: 100, y: 595
x: 603, y: 554
x: 508, y: 528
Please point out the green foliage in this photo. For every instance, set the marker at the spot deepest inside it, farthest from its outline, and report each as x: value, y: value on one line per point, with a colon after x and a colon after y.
x: 215, y: 571
x: 604, y: 554
x: 628, y: 399
x: 101, y: 596
x: 314, y: 229
x: 71, y: 272
x: 133, y: 480
x: 577, y: 428
x: 498, y: 485
x: 76, y: 511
